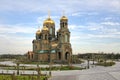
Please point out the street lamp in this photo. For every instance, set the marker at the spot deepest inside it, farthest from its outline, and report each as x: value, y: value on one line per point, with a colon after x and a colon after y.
x: 17, y: 68
x: 49, y: 54
x: 93, y: 57
x: 88, y: 62
x: 87, y: 58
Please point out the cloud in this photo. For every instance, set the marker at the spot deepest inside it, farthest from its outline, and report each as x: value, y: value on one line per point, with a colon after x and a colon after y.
x: 68, y: 5
x: 111, y: 23
x: 86, y: 13
x: 16, y: 39
x: 14, y: 44
x: 93, y: 30
x: 108, y: 18
x: 16, y: 29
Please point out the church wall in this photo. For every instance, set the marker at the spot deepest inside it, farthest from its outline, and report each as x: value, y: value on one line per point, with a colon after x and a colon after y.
x: 53, y: 56
x: 43, y: 57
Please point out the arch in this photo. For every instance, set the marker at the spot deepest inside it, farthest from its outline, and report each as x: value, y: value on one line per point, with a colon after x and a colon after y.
x: 28, y: 55
x: 67, y: 55
x: 59, y: 55
x: 35, y: 47
x: 63, y: 24
x: 39, y: 37
x: 46, y: 37
x: 66, y: 24
x: 32, y: 56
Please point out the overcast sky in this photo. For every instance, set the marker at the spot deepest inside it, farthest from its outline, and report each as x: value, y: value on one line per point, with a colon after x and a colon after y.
x: 94, y: 24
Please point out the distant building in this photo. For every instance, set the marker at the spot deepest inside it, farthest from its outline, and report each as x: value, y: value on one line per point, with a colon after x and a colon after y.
x: 49, y: 45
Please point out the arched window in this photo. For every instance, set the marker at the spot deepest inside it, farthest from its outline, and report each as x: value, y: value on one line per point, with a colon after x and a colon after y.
x: 32, y: 56
x: 35, y: 47
x: 62, y: 39
x: 66, y: 24
x: 67, y: 55
x: 51, y: 30
x: 45, y: 37
x: 59, y: 55
x: 39, y: 36
x: 66, y: 38
x: 63, y: 24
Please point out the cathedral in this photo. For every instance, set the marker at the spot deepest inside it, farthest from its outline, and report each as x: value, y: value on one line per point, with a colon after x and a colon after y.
x: 51, y: 45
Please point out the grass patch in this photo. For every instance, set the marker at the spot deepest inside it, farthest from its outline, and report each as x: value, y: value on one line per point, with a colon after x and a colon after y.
x: 106, y: 64
x: 53, y: 68
x: 32, y: 62
x: 20, y: 77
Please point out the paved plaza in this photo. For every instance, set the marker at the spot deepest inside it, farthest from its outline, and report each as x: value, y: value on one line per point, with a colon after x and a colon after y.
x: 94, y: 73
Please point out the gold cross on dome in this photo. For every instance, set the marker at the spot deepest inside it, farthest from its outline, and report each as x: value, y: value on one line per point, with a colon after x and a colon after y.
x: 48, y: 13
x: 39, y: 27
x: 63, y: 12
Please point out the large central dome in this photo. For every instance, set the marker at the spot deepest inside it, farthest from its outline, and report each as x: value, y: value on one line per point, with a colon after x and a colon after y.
x: 48, y: 21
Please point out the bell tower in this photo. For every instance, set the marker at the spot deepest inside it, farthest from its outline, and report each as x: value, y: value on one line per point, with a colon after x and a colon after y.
x: 63, y: 35
x: 64, y: 31
x: 63, y: 22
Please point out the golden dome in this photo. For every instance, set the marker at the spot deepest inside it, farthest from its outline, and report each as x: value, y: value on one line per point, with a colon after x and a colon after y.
x: 38, y: 32
x: 64, y: 18
x: 45, y: 28
x: 48, y: 20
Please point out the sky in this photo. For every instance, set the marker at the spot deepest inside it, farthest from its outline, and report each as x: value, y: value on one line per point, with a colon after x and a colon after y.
x: 94, y: 24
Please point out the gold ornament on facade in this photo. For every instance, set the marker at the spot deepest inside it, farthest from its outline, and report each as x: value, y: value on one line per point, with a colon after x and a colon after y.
x: 54, y: 45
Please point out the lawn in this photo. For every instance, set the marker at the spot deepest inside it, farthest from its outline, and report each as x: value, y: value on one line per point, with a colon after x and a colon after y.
x: 21, y: 77
x: 106, y: 64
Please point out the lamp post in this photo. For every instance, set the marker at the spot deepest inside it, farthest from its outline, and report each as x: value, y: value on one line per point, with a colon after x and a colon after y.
x: 50, y: 54
x: 38, y: 71
x: 88, y: 66
x: 87, y: 58
x: 93, y: 57
x: 17, y: 68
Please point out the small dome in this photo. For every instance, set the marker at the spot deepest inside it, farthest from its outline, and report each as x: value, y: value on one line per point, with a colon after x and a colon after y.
x: 64, y: 18
x: 38, y: 32
x: 45, y: 28
x: 48, y: 20
x: 58, y: 30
